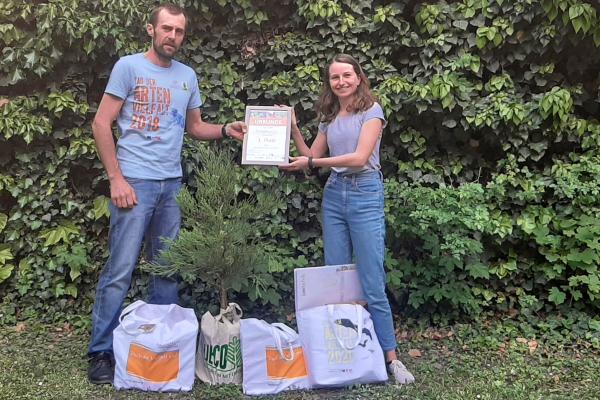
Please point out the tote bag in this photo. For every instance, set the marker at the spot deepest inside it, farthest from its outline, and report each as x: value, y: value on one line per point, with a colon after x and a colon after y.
x: 341, y: 346
x: 219, y: 357
x: 273, y: 358
x: 154, y: 347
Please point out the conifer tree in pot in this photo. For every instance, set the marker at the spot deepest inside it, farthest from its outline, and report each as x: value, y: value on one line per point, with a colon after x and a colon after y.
x: 218, y: 243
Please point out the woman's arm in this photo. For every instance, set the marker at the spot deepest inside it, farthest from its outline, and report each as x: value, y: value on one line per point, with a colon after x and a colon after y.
x: 366, y: 143
x: 318, y: 147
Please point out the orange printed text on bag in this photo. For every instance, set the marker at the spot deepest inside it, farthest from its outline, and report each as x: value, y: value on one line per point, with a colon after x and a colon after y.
x: 284, y: 367
x: 153, y: 367
x: 154, y: 347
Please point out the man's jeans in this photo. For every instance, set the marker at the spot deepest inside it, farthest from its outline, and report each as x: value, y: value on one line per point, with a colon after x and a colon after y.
x: 353, y: 223
x: 155, y: 216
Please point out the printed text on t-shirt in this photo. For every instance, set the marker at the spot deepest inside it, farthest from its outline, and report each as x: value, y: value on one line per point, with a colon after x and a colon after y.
x: 150, y: 102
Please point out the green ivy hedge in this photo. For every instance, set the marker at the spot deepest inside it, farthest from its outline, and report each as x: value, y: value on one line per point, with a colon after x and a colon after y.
x: 491, y: 152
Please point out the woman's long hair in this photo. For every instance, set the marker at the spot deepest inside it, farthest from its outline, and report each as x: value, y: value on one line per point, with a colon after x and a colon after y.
x: 328, y: 105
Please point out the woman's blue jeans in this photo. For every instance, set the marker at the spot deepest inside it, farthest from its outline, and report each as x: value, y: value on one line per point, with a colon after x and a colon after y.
x: 354, y: 225
x: 155, y: 216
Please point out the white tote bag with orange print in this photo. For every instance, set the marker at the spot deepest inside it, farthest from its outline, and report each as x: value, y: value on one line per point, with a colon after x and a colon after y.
x: 272, y: 357
x: 154, y: 347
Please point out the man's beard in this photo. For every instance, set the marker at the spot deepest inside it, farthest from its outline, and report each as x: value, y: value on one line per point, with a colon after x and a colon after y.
x: 161, y: 53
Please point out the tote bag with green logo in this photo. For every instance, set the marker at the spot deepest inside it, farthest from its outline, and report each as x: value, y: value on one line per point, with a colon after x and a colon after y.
x: 219, y: 355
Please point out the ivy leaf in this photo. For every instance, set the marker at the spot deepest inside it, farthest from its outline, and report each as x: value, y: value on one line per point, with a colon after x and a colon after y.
x: 478, y: 270
x: 527, y: 223
x: 61, y: 233
x: 481, y: 41
x: 16, y: 77
x: 593, y: 283
x: 5, y: 272
x: 5, y: 269
x: 76, y: 260
x: 71, y: 290
x: 31, y: 59
x: 556, y: 296
x: 101, y: 207
x: 575, y: 11
x: 5, y: 254
x: 587, y: 256
x: 3, y: 220
x: 461, y: 24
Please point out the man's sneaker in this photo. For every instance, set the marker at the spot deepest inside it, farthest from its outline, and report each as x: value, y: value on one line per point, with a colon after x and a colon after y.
x: 101, y: 368
x: 400, y: 373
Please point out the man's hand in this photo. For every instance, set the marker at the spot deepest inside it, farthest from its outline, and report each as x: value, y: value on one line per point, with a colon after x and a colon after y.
x: 236, y: 130
x: 122, y: 194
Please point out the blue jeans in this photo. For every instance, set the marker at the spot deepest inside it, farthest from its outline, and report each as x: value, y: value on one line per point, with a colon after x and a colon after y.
x: 354, y: 224
x: 155, y: 216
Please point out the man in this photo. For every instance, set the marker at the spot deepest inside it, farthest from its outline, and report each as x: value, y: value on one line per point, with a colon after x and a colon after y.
x: 152, y: 97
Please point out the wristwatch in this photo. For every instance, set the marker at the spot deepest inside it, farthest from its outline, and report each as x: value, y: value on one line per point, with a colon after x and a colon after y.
x: 224, y: 132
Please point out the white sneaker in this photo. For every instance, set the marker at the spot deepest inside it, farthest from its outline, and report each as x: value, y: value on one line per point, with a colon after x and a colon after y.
x: 400, y: 373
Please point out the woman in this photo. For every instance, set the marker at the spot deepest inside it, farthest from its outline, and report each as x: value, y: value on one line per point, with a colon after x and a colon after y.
x: 350, y: 128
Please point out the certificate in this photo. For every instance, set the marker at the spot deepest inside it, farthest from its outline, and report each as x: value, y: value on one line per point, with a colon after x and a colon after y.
x: 267, y: 140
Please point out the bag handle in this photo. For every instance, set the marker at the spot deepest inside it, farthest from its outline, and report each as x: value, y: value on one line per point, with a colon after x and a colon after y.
x: 236, y: 310
x: 232, y: 308
x: 130, y: 309
x: 359, y: 318
x: 277, y: 333
x: 291, y: 334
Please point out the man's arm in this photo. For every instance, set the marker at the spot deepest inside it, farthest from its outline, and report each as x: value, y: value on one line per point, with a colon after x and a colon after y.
x: 201, y: 130
x: 121, y: 193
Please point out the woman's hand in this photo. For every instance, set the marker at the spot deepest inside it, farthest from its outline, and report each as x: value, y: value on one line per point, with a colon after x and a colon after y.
x: 297, y: 164
x: 294, y: 120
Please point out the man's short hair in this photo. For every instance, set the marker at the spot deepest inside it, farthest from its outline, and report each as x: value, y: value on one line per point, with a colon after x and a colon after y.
x: 170, y: 8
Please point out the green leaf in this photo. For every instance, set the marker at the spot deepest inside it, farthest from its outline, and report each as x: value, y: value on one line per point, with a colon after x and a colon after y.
x: 575, y: 11
x: 101, y: 207
x: 3, y: 221
x: 61, y: 233
x: 5, y: 254
x: 577, y: 24
x: 17, y: 76
x: 481, y: 42
x: 71, y: 290
x: 478, y: 270
x: 527, y: 223
x: 587, y: 256
x: 5, y: 272
x: 556, y: 296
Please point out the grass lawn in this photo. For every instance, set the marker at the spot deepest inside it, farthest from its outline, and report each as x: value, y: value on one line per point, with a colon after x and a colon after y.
x: 47, y: 362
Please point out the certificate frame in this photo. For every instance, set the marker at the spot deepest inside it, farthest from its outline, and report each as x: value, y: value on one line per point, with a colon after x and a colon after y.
x: 267, y: 140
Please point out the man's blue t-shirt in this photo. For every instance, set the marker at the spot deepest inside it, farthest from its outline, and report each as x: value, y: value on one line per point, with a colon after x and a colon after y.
x: 152, y: 120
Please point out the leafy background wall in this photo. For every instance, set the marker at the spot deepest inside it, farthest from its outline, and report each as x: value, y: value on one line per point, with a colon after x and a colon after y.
x: 491, y: 152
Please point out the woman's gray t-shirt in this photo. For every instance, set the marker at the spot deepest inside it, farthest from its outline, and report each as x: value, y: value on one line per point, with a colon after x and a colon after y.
x: 342, y: 137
